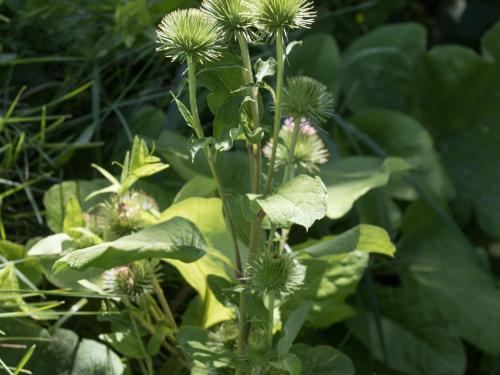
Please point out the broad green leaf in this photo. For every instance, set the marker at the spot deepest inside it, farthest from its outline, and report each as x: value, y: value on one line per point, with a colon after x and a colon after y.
x: 378, y: 68
x: 173, y: 239
x: 95, y: 358
x: 451, y: 276
x: 460, y: 106
x: 206, y: 214
x: 291, y: 329
x: 228, y: 116
x: 222, y: 79
x: 402, y: 136
x: 471, y: 157
x: 490, y: 43
x: 302, y: 201
x: 203, y: 350
x: 378, y: 208
x: 364, y: 238
x: 28, y: 267
x: 289, y: 363
x: 264, y: 68
x: 326, y: 65
x: 50, y: 249
x: 57, y: 197
x: 348, y: 179
x: 60, y: 352
x: 52, y: 245
x: 416, y: 340
x: 322, y: 360
x: 124, y: 342
x: 199, y: 186
x: 329, y: 281
x: 456, y: 90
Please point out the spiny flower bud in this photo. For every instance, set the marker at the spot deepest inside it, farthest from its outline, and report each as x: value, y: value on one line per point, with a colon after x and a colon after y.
x: 127, y: 213
x: 310, y: 151
x: 308, y: 98
x: 274, y: 273
x: 189, y: 34
x: 233, y: 16
x: 133, y: 281
x: 281, y: 15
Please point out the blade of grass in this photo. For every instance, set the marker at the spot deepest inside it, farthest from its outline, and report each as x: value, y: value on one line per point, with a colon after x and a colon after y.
x: 25, y: 359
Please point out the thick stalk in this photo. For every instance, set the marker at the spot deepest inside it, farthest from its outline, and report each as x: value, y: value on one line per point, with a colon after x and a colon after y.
x: 255, y: 149
x: 280, y: 52
x: 289, y: 168
x: 290, y: 172
x: 211, y: 161
x: 164, y: 305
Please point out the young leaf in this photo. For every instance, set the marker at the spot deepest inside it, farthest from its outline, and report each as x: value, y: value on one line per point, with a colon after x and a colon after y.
x: 175, y: 239
x: 264, y: 68
x: 364, y: 237
x: 74, y: 215
x: 291, y: 330
x: 185, y: 112
x: 302, y: 201
x: 194, y: 145
x: 57, y: 197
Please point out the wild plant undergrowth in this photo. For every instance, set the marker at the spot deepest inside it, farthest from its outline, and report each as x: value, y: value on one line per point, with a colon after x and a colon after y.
x: 211, y: 280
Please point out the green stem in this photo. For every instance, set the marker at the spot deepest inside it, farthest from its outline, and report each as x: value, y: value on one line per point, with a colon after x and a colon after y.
x: 289, y: 168
x: 164, y: 304
x: 280, y: 53
x: 290, y: 172
x: 270, y: 321
x: 211, y: 161
x: 255, y: 149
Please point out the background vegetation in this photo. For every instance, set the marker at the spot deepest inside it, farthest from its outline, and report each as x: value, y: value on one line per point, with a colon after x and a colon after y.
x: 418, y: 80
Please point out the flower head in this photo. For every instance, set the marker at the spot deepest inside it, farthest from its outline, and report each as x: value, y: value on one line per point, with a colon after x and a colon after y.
x: 123, y: 214
x: 310, y: 151
x: 308, y: 98
x: 275, y: 273
x: 134, y: 281
x: 233, y: 16
x: 281, y: 15
x: 189, y: 33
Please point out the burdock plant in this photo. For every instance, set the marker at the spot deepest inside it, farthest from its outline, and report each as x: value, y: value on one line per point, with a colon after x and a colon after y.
x: 196, y: 37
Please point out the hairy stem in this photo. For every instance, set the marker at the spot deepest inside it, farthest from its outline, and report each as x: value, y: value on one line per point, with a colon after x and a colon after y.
x: 290, y: 172
x: 211, y: 161
x: 280, y: 51
x: 289, y: 168
x: 255, y: 149
x: 164, y: 304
